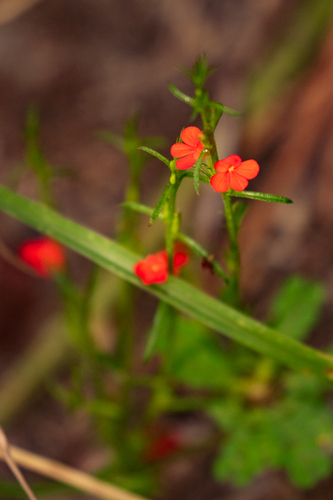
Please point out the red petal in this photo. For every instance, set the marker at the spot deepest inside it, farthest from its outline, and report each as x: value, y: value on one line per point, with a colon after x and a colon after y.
x: 220, y: 182
x: 179, y: 150
x: 248, y: 169
x: 180, y: 259
x: 186, y: 162
x: 230, y: 161
x: 190, y: 135
x: 221, y: 166
x: 237, y: 182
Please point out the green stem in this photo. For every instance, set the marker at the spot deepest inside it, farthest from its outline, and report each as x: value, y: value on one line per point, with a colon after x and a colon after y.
x: 172, y: 220
x: 231, y: 294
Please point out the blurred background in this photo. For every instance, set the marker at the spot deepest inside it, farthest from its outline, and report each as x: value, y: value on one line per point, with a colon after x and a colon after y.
x: 87, y: 66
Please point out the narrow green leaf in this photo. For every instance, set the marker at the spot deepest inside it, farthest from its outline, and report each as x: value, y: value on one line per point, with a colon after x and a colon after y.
x: 160, y: 204
x: 176, y: 292
x: 196, y: 170
x: 201, y: 252
x: 162, y: 326
x: 138, y: 207
x: 224, y: 109
x: 271, y: 198
x: 180, y: 95
x: 156, y: 154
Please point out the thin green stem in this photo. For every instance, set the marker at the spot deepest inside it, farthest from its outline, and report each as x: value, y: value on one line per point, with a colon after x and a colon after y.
x: 172, y: 220
x: 231, y: 292
x: 232, y: 295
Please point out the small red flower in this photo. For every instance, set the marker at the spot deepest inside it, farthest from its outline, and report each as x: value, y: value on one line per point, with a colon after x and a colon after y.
x: 154, y: 268
x: 189, y: 150
x: 234, y: 173
x: 44, y: 255
x: 163, y: 445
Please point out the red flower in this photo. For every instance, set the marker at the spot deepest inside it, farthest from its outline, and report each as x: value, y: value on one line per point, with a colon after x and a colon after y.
x: 163, y: 445
x: 189, y: 150
x: 44, y: 255
x: 233, y: 173
x: 154, y: 268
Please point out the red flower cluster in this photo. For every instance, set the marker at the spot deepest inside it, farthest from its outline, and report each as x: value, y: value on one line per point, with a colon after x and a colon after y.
x: 154, y: 268
x: 231, y: 172
x: 189, y: 150
x: 44, y: 255
x: 234, y: 173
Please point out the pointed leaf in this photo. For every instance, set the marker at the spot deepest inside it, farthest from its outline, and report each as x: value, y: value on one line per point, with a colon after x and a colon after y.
x: 224, y: 109
x: 160, y: 204
x: 180, y: 95
x: 138, y: 207
x: 271, y: 198
x: 156, y: 154
x: 196, y: 168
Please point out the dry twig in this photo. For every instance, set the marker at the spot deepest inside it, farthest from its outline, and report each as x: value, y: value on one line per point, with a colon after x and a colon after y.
x: 6, y: 455
x: 67, y: 475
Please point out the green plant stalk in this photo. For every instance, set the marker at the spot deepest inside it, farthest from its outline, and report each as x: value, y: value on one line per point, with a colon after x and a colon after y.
x: 77, y: 316
x: 231, y: 293
x: 176, y: 292
x: 171, y: 219
x: 233, y: 258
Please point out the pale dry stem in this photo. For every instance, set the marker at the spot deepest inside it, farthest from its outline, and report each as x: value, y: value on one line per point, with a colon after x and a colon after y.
x: 7, y: 457
x: 64, y: 474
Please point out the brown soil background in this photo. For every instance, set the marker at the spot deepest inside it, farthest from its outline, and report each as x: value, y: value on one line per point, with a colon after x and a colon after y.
x: 87, y: 66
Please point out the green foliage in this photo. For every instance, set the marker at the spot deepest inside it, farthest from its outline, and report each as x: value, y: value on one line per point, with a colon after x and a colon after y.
x: 176, y: 292
x: 265, y: 416
x: 210, y: 111
x: 295, y: 310
x: 196, y: 358
x: 162, y: 328
x: 295, y: 434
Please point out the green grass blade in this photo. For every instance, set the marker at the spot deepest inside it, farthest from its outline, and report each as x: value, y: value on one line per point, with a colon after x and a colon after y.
x: 175, y: 292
